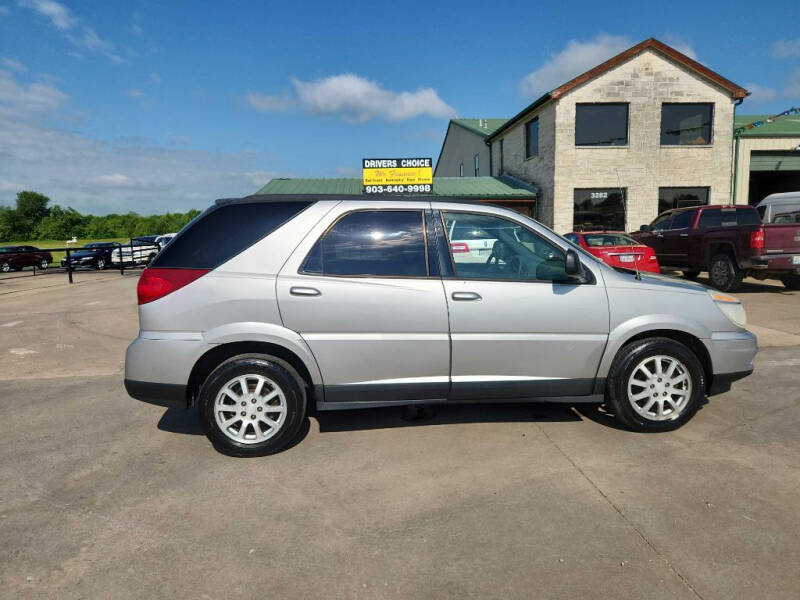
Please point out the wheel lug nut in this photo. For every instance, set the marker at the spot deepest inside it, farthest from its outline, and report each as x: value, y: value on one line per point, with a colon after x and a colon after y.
x: 664, y: 394
x: 260, y: 409
x: 654, y: 396
x: 244, y: 403
x: 243, y: 413
x: 659, y: 380
x: 652, y: 386
x: 252, y: 416
x: 667, y: 385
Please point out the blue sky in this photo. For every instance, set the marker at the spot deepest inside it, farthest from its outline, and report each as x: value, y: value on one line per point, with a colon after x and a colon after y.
x: 155, y: 106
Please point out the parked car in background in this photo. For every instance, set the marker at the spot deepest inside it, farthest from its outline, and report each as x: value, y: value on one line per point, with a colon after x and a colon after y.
x: 729, y: 242
x: 617, y: 249
x: 15, y: 258
x: 163, y: 240
x: 138, y: 251
x: 266, y: 304
x: 780, y: 208
x: 95, y: 254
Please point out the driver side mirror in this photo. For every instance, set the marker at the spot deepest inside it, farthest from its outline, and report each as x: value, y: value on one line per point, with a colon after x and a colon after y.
x: 572, y: 264
x: 644, y: 228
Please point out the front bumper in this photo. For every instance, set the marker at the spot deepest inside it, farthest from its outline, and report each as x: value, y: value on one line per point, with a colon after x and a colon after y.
x: 732, y: 355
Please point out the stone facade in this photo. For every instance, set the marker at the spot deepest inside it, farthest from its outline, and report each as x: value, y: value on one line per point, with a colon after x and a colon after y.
x: 645, y: 82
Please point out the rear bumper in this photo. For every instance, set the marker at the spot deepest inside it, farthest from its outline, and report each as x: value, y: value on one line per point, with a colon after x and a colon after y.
x: 732, y: 355
x: 171, y: 395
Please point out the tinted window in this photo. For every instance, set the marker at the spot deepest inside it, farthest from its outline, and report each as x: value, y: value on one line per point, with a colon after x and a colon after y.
x: 682, y: 220
x: 223, y: 232
x: 686, y: 124
x: 747, y: 216
x: 532, y: 138
x: 661, y: 222
x: 787, y: 217
x: 728, y: 217
x: 601, y: 124
x: 681, y: 197
x: 515, y: 252
x: 383, y: 243
x: 599, y: 208
x: 571, y: 237
x: 596, y: 240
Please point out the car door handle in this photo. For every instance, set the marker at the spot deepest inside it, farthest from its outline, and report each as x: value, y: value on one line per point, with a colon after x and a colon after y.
x: 465, y: 296
x: 304, y: 291
x: 684, y: 235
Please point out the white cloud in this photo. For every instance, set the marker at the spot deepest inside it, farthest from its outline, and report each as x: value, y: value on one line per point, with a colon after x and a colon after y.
x: 73, y: 28
x: 760, y: 93
x: 135, y: 93
x: 14, y: 64
x: 355, y: 99
x: 573, y: 60
x: 792, y: 89
x: 786, y: 48
x: 267, y: 103
x: 580, y: 56
x: 97, y: 176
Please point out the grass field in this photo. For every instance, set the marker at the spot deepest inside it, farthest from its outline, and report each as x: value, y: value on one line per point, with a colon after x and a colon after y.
x: 44, y: 244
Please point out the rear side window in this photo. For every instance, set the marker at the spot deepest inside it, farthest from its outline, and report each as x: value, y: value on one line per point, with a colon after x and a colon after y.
x: 728, y: 217
x: 379, y: 243
x: 224, y: 232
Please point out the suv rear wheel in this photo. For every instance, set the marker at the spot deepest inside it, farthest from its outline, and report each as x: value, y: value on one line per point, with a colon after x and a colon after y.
x: 251, y: 405
x: 655, y: 384
x: 724, y: 273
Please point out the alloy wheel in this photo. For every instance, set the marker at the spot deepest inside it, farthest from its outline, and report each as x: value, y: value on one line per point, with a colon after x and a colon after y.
x: 250, y: 409
x: 720, y: 272
x: 659, y: 388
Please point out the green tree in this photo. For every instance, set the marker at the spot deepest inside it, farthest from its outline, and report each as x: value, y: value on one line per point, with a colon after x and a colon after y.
x: 31, y: 210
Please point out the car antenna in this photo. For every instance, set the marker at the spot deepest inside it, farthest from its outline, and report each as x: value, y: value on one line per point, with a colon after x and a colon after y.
x: 624, y: 198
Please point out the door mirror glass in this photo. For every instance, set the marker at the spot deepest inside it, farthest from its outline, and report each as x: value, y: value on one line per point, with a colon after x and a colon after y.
x: 572, y: 264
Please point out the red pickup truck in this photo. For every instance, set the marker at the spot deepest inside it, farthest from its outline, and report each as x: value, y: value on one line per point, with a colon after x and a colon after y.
x: 729, y: 242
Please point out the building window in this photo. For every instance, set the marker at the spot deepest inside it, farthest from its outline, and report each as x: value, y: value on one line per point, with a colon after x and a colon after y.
x: 532, y: 138
x: 461, y: 170
x: 477, y: 160
x: 502, y: 158
x: 681, y: 197
x: 686, y: 124
x: 599, y: 209
x: 601, y: 124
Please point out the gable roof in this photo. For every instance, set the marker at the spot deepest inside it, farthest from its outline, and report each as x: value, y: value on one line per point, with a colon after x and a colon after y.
x: 483, y: 127
x: 463, y: 187
x: 736, y: 91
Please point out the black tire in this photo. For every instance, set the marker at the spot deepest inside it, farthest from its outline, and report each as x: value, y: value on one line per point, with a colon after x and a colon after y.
x: 100, y: 264
x: 278, y: 372
x: 691, y: 274
x: 626, y: 362
x: 724, y: 274
x: 792, y: 282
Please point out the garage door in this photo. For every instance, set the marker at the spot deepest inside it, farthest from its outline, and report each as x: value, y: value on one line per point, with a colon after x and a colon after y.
x: 774, y: 161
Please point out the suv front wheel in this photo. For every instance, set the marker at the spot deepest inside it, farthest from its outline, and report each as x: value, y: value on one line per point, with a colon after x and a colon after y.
x: 251, y: 405
x: 655, y: 384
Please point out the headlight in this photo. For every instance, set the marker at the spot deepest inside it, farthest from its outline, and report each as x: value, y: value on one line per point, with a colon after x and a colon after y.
x: 731, y: 307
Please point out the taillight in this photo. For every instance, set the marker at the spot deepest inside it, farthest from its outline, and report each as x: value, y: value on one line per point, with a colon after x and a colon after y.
x: 757, y: 239
x: 157, y: 283
x: 459, y: 247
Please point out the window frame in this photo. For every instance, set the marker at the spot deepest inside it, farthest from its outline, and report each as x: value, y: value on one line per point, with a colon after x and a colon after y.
x: 528, y: 154
x: 502, y: 157
x: 421, y: 210
x: 711, y: 126
x: 679, y: 212
x: 461, y: 169
x: 627, y: 106
x: 588, y: 274
x: 476, y: 161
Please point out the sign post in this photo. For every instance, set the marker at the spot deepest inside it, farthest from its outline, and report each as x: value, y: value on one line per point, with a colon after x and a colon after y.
x: 397, y: 175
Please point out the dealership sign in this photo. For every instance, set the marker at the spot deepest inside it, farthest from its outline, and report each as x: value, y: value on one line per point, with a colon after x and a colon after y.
x: 397, y: 175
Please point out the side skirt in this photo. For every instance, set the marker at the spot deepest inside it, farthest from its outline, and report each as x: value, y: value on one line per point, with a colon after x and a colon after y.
x: 590, y: 399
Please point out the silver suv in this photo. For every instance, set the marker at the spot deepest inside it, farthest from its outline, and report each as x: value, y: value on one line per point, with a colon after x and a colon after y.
x: 264, y: 304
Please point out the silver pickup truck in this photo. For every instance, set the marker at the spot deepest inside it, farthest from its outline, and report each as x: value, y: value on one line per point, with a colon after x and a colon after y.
x: 138, y: 251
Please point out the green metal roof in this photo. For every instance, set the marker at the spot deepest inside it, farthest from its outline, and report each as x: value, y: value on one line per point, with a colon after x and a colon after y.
x: 463, y: 187
x: 788, y: 126
x: 483, y: 127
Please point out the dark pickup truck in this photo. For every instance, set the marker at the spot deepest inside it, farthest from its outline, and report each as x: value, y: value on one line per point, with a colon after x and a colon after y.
x: 729, y: 242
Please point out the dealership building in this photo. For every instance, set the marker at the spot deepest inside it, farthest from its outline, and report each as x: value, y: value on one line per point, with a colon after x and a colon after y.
x: 647, y: 130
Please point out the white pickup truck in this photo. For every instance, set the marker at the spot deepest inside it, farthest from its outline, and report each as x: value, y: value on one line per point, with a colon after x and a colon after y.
x: 138, y: 251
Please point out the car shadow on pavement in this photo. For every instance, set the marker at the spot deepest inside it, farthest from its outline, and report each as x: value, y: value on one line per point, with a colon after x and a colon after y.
x: 751, y: 286
x: 442, y: 414
x: 179, y: 420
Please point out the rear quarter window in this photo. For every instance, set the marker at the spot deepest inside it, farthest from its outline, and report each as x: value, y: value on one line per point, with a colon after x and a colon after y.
x: 225, y: 231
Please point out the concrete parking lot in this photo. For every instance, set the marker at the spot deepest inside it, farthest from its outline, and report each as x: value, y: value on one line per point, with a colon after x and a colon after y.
x: 104, y: 496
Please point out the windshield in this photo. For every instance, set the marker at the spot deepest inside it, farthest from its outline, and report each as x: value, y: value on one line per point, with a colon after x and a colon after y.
x: 596, y: 240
